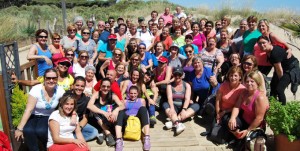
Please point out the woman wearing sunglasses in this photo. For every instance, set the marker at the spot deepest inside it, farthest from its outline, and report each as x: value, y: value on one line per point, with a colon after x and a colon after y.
x: 40, y: 52
x: 111, y: 63
x: 79, y: 67
x: 56, y: 49
x: 42, y: 101
x: 68, y: 40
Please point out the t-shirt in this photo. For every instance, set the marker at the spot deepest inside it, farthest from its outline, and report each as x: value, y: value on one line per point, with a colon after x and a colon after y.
x: 208, y: 60
x: 249, y: 40
x: 179, y: 41
x: 115, y: 88
x: 42, y: 107
x: 182, y: 14
x: 279, y: 54
x: 89, y: 48
x: 229, y: 97
x: 41, y: 62
x: 66, y: 42
x: 65, y: 128
x: 198, y: 40
x: 66, y: 84
x: 182, y: 50
x: 145, y: 37
x: 104, y: 48
x: 78, y: 70
x: 177, y: 62
x: 200, y: 86
x: 82, y: 103
x: 104, y: 36
x: 167, y: 18
x: 146, y: 59
x: 168, y: 41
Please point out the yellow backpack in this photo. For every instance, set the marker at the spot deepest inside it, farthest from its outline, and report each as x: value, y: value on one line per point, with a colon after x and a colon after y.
x: 133, y: 129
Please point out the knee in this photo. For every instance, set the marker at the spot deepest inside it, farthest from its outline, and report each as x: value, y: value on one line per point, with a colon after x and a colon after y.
x: 195, y: 107
x: 143, y: 110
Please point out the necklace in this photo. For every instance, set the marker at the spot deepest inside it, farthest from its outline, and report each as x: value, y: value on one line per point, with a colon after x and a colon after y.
x: 47, y: 104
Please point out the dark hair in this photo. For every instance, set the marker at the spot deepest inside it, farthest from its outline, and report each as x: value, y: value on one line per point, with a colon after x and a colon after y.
x: 133, y: 87
x: 109, y: 95
x: 139, y: 82
x: 151, y: 75
x: 39, y: 31
x: 111, y: 18
x: 252, y: 19
x: 263, y: 37
x: 210, y: 22
x: 154, y: 12
x: 123, y: 24
x: 255, y: 68
x: 189, y: 45
x: 50, y: 70
x: 195, y: 23
x: 80, y: 78
x: 120, y: 19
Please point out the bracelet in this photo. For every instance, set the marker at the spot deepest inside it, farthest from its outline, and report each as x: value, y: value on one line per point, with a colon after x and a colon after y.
x: 21, y: 130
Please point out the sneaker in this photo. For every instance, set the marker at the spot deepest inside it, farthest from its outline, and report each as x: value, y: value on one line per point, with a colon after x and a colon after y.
x: 179, y: 128
x: 147, y: 144
x: 100, y: 138
x: 169, y: 124
x: 119, y: 144
x: 152, y: 120
x: 110, y: 141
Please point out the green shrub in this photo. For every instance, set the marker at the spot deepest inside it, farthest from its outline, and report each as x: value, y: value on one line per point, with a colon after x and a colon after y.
x: 284, y: 119
x: 18, y: 104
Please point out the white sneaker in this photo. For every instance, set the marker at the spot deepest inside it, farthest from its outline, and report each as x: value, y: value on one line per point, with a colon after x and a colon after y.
x: 179, y: 128
x: 169, y: 124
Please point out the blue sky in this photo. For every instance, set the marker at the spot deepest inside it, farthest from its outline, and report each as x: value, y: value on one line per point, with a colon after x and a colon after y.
x: 259, y: 5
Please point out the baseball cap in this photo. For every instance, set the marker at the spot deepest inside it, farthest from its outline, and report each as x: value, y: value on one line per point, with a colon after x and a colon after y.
x: 112, y: 36
x: 189, y: 36
x: 178, y: 70
x: 174, y: 45
x: 64, y: 59
x: 163, y: 59
x: 141, y: 19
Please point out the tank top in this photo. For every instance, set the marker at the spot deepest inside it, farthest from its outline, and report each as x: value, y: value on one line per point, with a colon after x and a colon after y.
x: 57, y: 56
x: 108, y: 106
x: 127, y: 89
x: 178, y: 97
x: 132, y: 107
x: 111, y: 66
x: 42, y: 64
x: 225, y: 51
x: 160, y: 77
x: 249, y: 110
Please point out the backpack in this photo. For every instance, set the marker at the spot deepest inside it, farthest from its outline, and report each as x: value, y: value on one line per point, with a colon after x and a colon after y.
x: 133, y: 129
x: 218, y: 134
x: 4, y: 142
x: 256, y: 140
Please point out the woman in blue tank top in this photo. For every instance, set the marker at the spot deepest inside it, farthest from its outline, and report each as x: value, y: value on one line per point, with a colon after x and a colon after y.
x: 40, y: 52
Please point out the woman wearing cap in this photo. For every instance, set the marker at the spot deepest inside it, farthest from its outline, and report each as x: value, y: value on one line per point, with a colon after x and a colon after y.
x: 145, y: 36
x: 178, y: 38
x: 202, y: 80
x: 79, y: 67
x: 209, y: 30
x: 42, y: 101
x: 179, y: 106
x: 212, y: 57
x: 79, y: 23
x: 90, y: 80
x: 87, y: 44
x: 173, y: 59
x: 165, y: 38
x: 40, y: 52
x: 110, y: 64
x: 67, y: 42
x: 199, y: 38
x: 146, y: 58
x: 56, y: 48
x: 188, y: 40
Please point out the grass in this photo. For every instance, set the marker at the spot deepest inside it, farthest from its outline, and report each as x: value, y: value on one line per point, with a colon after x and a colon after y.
x: 15, y: 20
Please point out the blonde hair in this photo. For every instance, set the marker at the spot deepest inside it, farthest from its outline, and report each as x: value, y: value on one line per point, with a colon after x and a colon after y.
x: 257, y: 78
x: 63, y: 100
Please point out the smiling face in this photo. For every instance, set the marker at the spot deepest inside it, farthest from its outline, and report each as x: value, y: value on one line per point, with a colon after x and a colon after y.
x: 68, y: 106
x: 195, y: 28
x: 83, y: 58
x: 251, y: 84
x: 189, y: 52
x: 234, y: 78
x: 252, y: 25
x: 122, y: 29
x: 165, y: 31
x: 159, y: 47
x: 117, y: 54
x: 198, y: 66
x: 120, y: 69
x: 79, y: 24
x: 63, y: 66
x: 133, y: 93
x: 211, y: 43
x: 142, y: 49
x: 178, y: 32
x: 224, y: 35
x: 135, y: 76
x: 244, y: 25
x: 248, y: 65
x: 89, y: 75
x: 78, y: 87
x: 234, y: 59
x: 50, y: 79
x: 42, y: 38
x: 135, y: 61
x: 86, y: 34
x: 105, y: 87
x: 72, y: 32
x: 262, y: 27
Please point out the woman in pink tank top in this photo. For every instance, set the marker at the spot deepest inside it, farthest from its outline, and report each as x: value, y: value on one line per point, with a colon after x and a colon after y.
x: 254, y: 104
x: 110, y: 64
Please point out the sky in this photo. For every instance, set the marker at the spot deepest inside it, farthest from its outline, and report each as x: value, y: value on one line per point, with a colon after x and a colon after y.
x: 258, y: 5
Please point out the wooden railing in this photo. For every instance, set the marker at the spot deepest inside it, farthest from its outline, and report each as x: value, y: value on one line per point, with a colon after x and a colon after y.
x: 29, y: 71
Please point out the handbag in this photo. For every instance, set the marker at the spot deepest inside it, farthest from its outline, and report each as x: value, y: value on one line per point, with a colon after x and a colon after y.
x: 256, y: 140
x: 133, y: 129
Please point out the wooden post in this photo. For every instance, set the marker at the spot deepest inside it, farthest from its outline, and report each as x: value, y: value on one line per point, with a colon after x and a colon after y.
x: 3, y: 109
x: 63, y: 6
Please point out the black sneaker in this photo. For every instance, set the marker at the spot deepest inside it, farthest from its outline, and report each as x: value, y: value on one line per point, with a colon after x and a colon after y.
x: 100, y: 138
x: 110, y: 141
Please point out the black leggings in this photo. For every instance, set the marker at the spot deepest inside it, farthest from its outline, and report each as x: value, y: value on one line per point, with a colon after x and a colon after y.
x: 142, y: 114
x: 279, y: 85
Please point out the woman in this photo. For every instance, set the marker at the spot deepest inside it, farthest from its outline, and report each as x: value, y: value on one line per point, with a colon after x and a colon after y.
x: 188, y: 41
x: 178, y: 38
x: 159, y: 50
x: 237, y: 37
x: 263, y: 64
x: 60, y: 133
x: 79, y: 23
x: 174, y: 59
x: 209, y: 30
x: 154, y: 30
x: 56, y: 49
x: 135, y: 79
x: 107, y: 27
x: 69, y: 53
x: 67, y: 42
x: 87, y: 44
x: 199, y: 38
x: 79, y: 67
x: 120, y: 69
x: 224, y: 44
x: 95, y: 36
x: 187, y: 64
x: 250, y: 37
x: 202, y: 24
x: 134, y: 106
x: 90, y: 80
x: 212, y: 57
x: 202, y: 80
x: 111, y: 63
x: 131, y: 48
x: 42, y: 101
x: 249, y: 64
x: 178, y: 108
x: 225, y: 21
x: 254, y: 104
x: 286, y: 69
x: 164, y: 37
x: 146, y: 58
x: 121, y: 36
x: 234, y: 60
x: 106, y: 106
x: 132, y: 33
x: 135, y: 63
x: 40, y: 52
x: 188, y: 26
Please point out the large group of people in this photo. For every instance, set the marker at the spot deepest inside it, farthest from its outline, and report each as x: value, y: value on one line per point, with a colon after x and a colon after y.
x: 97, y: 76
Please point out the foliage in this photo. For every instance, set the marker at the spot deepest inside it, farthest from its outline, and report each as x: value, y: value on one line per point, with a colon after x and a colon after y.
x: 293, y: 27
x: 30, y: 29
x: 284, y: 119
x: 18, y: 104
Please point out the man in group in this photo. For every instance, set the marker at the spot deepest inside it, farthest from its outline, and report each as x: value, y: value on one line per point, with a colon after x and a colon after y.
x: 179, y: 13
x: 167, y: 16
x: 154, y: 15
x: 103, y: 38
x: 119, y: 21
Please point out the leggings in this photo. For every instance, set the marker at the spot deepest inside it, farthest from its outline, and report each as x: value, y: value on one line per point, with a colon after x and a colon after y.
x: 279, y: 85
x: 142, y: 114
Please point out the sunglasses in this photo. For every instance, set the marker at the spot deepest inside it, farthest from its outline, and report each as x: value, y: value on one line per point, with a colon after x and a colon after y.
x: 135, y: 59
x: 111, y: 21
x: 56, y: 38
x: 43, y: 37
x: 142, y: 48
x: 67, y: 64
x: 84, y: 57
x: 143, y: 26
x: 117, y: 54
x: 188, y: 51
x: 72, y: 30
x: 85, y: 33
x: 248, y: 63
x: 177, y: 75
x: 51, y: 78
x: 70, y: 54
x: 189, y: 38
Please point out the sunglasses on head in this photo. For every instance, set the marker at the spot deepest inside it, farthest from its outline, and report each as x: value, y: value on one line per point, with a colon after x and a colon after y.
x: 67, y: 64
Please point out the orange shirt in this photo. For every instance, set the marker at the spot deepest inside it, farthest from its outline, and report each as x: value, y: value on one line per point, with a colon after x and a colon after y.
x: 168, y: 41
x: 229, y: 96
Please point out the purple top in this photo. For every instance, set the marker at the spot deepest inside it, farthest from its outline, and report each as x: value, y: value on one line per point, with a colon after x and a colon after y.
x: 132, y: 107
x: 127, y: 89
x: 187, y: 71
